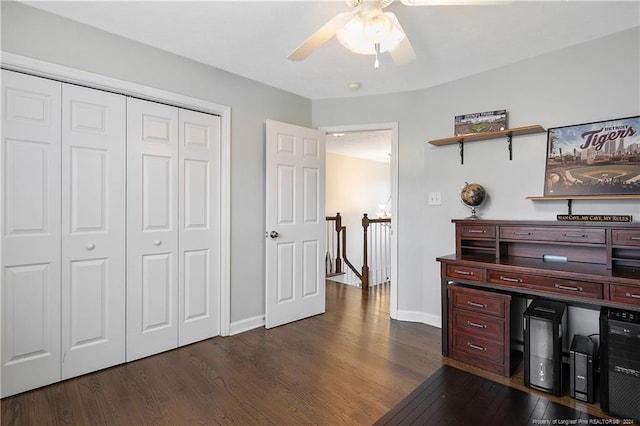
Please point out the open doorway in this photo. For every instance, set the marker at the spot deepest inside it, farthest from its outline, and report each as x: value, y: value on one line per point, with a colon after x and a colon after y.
x: 361, y: 178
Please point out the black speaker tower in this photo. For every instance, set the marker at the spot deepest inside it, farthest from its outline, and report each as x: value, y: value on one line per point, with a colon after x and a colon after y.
x: 620, y: 362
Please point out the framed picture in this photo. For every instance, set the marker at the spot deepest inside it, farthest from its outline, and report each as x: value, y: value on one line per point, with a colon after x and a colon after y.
x: 600, y: 158
x: 480, y: 122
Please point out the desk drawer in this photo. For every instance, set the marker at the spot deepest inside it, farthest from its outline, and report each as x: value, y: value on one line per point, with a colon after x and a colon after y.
x: 478, y: 347
x: 479, y: 325
x: 625, y: 237
x: 477, y: 231
x: 574, y: 235
x: 625, y: 294
x: 464, y: 273
x: 549, y: 284
x: 483, y: 302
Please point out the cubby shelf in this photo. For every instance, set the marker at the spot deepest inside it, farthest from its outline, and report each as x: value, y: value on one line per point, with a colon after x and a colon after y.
x: 473, y: 137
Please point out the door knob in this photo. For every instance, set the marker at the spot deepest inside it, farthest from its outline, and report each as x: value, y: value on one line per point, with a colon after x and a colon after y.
x: 157, y: 242
x: 90, y: 246
x: 274, y: 234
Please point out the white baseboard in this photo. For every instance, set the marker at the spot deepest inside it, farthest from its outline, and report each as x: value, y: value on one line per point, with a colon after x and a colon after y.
x: 241, y: 326
x: 417, y: 316
x: 433, y: 320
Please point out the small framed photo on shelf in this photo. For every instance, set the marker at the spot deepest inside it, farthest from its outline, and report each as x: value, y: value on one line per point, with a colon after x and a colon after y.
x: 480, y: 122
x: 599, y: 158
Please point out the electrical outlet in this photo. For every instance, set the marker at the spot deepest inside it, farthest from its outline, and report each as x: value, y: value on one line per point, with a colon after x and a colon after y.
x: 435, y: 198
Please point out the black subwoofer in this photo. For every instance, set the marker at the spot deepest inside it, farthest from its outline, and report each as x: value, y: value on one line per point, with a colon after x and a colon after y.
x: 620, y: 362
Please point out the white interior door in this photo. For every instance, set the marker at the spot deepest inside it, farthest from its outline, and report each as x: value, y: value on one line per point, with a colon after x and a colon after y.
x: 93, y: 229
x: 199, y: 236
x: 30, y: 232
x: 295, y: 223
x: 152, y: 228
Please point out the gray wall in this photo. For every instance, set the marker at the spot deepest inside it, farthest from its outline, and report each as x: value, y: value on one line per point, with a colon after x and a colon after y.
x: 589, y: 82
x: 30, y: 32
x: 594, y: 81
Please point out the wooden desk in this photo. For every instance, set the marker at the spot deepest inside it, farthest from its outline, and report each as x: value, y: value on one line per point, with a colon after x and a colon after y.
x: 588, y: 264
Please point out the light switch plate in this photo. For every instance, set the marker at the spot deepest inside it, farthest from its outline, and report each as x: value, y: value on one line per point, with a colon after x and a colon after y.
x: 435, y: 198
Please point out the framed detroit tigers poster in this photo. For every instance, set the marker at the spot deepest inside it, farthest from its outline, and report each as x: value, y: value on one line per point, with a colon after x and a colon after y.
x: 599, y: 158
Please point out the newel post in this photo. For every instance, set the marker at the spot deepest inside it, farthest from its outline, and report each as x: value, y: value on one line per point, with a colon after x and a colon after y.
x: 338, y: 253
x: 365, y: 260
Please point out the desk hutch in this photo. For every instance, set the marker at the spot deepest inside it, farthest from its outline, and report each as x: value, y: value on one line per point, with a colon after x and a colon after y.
x: 586, y: 264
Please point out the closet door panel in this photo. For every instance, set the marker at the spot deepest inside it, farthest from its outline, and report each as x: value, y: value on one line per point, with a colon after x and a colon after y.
x: 93, y: 229
x: 152, y: 230
x: 199, y: 285
x: 30, y: 211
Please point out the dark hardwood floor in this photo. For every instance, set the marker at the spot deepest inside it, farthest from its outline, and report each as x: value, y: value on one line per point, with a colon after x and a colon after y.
x: 451, y: 396
x: 349, y: 366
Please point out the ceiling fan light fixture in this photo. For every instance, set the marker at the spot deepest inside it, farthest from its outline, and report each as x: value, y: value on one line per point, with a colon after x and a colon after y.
x: 377, y: 27
x: 360, y: 35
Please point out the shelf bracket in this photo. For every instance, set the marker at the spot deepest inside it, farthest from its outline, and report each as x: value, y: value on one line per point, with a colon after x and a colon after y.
x: 510, y: 146
x: 461, y: 146
x: 569, y: 206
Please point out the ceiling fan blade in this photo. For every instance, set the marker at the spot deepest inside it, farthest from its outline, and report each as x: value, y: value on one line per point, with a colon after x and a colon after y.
x: 403, y: 53
x: 318, y: 38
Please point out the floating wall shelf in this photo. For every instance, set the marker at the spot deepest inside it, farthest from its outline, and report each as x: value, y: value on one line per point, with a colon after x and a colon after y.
x: 473, y: 137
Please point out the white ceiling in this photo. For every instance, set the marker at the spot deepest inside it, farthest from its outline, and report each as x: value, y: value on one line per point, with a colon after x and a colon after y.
x: 253, y: 38
x: 373, y: 145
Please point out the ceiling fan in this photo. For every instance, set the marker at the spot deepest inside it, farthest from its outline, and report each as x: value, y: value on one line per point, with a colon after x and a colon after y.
x: 368, y: 30
x: 365, y: 29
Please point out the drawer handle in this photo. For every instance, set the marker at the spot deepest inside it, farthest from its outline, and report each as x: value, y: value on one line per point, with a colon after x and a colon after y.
x: 476, y: 347
x: 476, y: 325
x: 476, y: 231
x: 511, y: 280
x: 523, y: 233
x: 476, y: 305
x: 462, y: 272
x: 633, y: 296
x: 576, y: 235
x: 566, y: 287
x: 634, y: 238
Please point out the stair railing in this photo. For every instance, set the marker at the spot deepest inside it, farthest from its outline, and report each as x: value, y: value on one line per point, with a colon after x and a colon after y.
x: 376, y: 248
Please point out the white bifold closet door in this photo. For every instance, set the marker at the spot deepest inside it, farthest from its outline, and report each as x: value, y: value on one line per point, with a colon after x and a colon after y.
x: 64, y: 231
x: 110, y: 213
x: 152, y: 228
x: 30, y: 232
x: 199, y: 235
x: 93, y: 229
x: 173, y: 227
